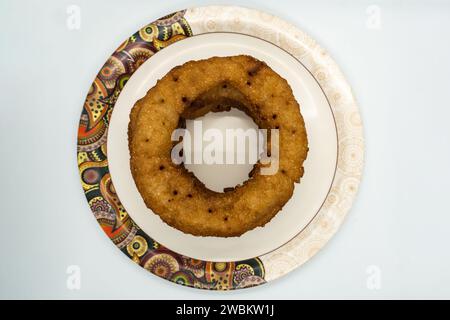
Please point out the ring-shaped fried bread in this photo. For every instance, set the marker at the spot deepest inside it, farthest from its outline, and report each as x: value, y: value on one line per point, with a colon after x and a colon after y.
x: 190, y: 91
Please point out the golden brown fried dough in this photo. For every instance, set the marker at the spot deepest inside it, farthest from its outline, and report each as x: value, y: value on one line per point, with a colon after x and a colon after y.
x: 190, y: 91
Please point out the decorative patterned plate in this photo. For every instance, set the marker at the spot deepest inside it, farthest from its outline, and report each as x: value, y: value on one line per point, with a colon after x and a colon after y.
x: 296, y: 234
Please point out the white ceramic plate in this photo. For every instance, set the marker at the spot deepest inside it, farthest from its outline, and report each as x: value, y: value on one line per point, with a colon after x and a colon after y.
x: 309, y: 195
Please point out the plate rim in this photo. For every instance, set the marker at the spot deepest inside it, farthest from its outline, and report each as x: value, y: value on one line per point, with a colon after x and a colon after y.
x: 97, y: 183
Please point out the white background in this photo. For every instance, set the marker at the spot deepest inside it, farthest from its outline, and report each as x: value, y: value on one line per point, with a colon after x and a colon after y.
x: 400, y: 222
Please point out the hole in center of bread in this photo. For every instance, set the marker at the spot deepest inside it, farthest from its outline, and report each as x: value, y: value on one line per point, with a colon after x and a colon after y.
x: 223, y: 142
x: 216, y: 170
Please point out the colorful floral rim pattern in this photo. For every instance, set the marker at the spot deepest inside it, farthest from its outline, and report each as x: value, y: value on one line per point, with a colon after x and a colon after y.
x: 93, y: 161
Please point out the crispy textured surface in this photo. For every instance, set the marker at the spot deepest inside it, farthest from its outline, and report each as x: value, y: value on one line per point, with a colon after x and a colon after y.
x: 192, y: 90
